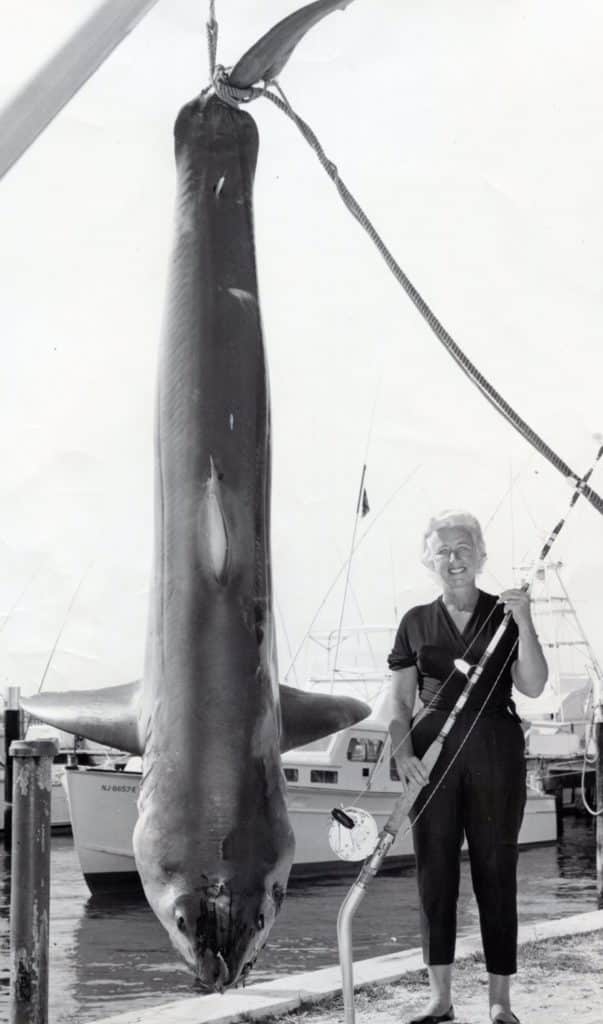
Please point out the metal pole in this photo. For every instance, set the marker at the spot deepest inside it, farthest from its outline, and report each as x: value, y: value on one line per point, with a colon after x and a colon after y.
x: 369, y: 870
x: 12, y: 731
x: 599, y: 818
x: 30, y: 880
x: 32, y: 109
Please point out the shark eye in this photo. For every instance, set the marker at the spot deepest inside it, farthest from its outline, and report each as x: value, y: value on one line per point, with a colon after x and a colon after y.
x: 180, y: 923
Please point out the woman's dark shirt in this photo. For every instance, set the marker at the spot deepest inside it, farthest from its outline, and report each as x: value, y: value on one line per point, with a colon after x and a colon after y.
x: 428, y: 638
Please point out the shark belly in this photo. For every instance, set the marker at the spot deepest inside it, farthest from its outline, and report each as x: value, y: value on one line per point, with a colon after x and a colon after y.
x: 213, y: 844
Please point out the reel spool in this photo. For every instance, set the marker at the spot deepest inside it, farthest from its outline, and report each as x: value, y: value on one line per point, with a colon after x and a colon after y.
x: 353, y: 833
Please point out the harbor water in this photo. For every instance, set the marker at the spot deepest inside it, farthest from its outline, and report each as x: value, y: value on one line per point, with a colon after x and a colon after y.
x: 111, y: 955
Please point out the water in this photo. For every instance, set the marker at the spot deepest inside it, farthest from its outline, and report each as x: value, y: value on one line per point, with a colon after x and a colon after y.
x: 112, y: 955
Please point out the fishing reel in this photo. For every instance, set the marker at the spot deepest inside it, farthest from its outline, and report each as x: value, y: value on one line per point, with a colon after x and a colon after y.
x: 353, y: 834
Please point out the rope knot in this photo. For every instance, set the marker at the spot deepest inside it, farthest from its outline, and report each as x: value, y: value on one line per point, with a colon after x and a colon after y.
x: 229, y: 93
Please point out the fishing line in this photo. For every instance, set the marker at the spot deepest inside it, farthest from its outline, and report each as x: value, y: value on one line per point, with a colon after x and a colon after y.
x: 426, y: 707
x: 469, y: 731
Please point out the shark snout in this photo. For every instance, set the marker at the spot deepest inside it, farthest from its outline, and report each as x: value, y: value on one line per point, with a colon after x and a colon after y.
x: 213, y: 937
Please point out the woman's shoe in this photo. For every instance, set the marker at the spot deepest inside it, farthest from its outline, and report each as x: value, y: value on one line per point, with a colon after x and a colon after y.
x: 502, y: 1018
x: 434, y: 1018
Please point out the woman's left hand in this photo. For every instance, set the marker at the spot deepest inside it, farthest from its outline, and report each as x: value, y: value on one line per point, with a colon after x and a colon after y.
x: 517, y: 602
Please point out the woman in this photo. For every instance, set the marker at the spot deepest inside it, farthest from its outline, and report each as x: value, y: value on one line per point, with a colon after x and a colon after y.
x: 478, y: 784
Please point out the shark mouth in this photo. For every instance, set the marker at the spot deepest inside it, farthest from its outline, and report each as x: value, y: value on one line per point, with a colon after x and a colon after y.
x: 223, y: 940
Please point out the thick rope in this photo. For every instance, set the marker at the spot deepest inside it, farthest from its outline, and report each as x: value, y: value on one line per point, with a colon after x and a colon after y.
x: 235, y: 96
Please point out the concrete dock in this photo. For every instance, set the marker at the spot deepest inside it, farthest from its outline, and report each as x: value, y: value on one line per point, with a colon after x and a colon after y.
x: 306, y: 990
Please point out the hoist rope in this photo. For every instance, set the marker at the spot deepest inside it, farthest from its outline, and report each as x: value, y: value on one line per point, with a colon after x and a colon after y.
x: 234, y: 96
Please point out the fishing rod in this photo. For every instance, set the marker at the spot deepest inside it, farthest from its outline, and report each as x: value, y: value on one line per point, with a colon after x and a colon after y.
x: 345, y: 821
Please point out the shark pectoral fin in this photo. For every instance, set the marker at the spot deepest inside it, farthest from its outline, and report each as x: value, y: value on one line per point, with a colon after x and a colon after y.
x: 308, y: 716
x: 106, y: 716
x: 266, y: 58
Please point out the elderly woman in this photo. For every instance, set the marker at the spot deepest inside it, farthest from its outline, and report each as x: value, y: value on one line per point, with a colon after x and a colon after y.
x: 478, y: 785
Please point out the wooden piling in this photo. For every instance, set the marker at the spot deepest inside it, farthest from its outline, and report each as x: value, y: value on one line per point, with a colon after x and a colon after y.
x: 12, y: 731
x: 30, y: 880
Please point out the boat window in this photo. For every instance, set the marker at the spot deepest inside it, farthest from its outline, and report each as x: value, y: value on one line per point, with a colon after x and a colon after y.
x: 356, y: 750
x: 291, y: 774
x: 364, y: 749
x: 320, y: 775
x: 373, y: 750
x: 393, y: 770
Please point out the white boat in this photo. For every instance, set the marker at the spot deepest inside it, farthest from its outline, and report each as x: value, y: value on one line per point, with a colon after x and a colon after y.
x: 72, y: 750
x: 353, y: 767
x: 560, y: 745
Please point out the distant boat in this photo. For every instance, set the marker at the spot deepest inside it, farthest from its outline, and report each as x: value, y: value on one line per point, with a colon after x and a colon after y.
x: 559, y: 747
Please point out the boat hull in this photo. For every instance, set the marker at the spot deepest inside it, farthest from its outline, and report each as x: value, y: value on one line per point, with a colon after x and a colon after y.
x: 103, y: 814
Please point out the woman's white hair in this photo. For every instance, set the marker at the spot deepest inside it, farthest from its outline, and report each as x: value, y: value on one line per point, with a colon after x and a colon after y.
x: 454, y: 517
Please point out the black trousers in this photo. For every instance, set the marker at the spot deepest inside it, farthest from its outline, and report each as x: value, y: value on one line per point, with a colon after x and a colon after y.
x: 483, y: 795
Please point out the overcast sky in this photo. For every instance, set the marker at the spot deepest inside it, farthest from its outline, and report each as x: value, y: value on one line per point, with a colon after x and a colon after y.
x: 472, y: 135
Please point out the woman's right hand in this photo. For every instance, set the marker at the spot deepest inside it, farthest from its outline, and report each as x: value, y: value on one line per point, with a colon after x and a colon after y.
x: 412, y: 769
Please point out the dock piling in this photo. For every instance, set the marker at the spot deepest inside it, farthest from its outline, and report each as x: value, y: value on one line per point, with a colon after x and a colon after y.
x: 12, y: 731
x: 30, y: 880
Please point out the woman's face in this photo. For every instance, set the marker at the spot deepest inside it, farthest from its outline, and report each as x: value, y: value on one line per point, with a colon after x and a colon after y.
x: 455, y: 559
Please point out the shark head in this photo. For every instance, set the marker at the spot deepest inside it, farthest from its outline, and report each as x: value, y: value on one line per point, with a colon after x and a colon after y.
x: 220, y: 930
x: 217, y: 897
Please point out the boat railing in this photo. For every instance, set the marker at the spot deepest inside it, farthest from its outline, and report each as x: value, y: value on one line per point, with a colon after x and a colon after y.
x: 350, y: 655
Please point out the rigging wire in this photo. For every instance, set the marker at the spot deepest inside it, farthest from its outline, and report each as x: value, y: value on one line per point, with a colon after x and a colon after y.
x: 15, y: 605
x: 63, y: 624
x: 374, y: 520
x: 349, y: 569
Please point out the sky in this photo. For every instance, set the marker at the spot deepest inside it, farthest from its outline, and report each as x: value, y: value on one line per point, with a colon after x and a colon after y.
x: 471, y: 135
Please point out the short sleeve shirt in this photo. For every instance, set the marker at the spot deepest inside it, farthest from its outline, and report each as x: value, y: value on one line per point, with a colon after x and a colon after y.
x: 428, y: 638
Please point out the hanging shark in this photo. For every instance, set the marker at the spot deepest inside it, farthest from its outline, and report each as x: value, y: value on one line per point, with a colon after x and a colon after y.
x: 213, y: 843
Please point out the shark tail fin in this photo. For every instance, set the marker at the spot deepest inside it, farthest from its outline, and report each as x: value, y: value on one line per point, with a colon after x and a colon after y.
x: 266, y: 58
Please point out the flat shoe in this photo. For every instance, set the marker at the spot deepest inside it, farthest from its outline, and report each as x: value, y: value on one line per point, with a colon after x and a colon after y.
x: 434, y: 1018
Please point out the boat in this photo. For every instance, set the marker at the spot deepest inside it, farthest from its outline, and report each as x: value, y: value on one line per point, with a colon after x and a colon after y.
x: 71, y: 750
x: 354, y: 767
x: 560, y: 749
